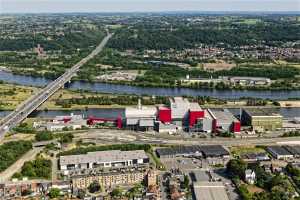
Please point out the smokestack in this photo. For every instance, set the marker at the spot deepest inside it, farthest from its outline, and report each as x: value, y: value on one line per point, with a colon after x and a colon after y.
x: 139, y: 104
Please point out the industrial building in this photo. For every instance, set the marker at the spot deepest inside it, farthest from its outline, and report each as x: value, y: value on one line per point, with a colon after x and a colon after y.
x: 61, y: 122
x: 103, y: 159
x: 164, y: 115
x: 261, y: 120
x: 140, y: 118
x: 295, y: 150
x: 179, y: 110
x: 224, y: 121
x: 280, y: 153
x: 181, y: 115
x: 196, y: 114
x: 249, y: 81
x: 205, y: 151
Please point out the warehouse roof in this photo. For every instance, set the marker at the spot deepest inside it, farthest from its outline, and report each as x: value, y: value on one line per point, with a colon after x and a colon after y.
x: 209, y: 191
x: 179, y: 107
x: 207, y: 150
x: 103, y: 156
x: 278, y: 150
x: 195, y: 107
x: 262, y: 112
x: 179, y: 150
x: 214, y: 150
x: 250, y: 78
x: 146, y: 112
x: 295, y: 150
x: 224, y: 116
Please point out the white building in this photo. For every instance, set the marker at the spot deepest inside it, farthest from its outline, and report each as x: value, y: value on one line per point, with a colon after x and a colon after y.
x: 250, y: 176
x: 140, y: 117
x: 103, y: 159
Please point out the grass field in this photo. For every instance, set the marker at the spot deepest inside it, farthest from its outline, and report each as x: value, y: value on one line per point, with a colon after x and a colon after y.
x: 245, y: 149
x: 12, y: 95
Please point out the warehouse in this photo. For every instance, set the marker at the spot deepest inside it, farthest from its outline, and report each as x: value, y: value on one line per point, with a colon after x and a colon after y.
x: 196, y: 114
x: 140, y: 118
x: 206, y: 151
x: 164, y: 115
x: 224, y: 121
x: 179, y: 151
x: 237, y: 80
x: 261, y: 120
x: 209, y: 151
x: 179, y: 110
x: 295, y: 150
x: 167, y: 128
x: 103, y: 159
x: 279, y: 152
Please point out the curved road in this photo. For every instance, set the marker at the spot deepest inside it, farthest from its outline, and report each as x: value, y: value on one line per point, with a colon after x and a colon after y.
x: 36, y: 100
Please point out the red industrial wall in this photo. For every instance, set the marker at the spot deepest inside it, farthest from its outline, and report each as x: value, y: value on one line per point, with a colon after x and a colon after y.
x: 194, y: 115
x: 236, y: 127
x: 164, y: 115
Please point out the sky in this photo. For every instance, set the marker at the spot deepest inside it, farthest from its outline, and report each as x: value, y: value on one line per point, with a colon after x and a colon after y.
x: 57, y: 6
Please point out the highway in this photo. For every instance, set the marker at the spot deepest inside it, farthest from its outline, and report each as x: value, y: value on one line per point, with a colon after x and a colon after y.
x: 31, y: 104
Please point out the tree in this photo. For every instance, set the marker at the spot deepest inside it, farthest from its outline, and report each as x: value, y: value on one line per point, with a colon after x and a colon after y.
x: 94, y: 187
x: 237, y: 167
x: 54, y: 193
x: 186, y: 182
x: 66, y: 138
x: 117, y: 192
x: 81, y: 194
x: 44, y: 136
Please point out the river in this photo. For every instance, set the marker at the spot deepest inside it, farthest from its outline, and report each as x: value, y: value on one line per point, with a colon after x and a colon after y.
x: 125, y: 89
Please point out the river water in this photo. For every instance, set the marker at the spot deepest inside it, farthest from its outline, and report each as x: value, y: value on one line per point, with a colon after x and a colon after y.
x: 125, y: 89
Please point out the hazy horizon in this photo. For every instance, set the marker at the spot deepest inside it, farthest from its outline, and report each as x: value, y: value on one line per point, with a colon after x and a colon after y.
x: 69, y: 6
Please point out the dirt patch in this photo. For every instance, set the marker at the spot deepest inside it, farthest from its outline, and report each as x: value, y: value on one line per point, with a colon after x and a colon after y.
x: 289, y: 103
x: 220, y: 65
x: 254, y: 189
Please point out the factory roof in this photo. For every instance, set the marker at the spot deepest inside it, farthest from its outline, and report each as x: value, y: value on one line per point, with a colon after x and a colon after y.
x: 163, y: 108
x: 250, y: 78
x: 278, y: 150
x: 103, y: 156
x: 210, y: 191
x: 146, y: 122
x: 206, y: 150
x: 195, y: 107
x: 258, y: 112
x: 224, y: 116
x: 213, y: 150
x: 179, y: 107
x: 295, y: 150
x: 179, y: 150
x: 146, y: 112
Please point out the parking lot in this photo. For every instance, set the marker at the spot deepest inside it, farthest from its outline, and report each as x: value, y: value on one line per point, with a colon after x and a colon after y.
x: 184, y: 164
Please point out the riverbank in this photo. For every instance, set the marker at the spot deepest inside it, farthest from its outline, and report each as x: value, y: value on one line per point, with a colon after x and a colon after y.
x: 153, y: 91
x: 68, y: 100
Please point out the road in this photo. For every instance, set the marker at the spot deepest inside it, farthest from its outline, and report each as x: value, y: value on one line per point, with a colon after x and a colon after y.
x: 40, y: 97
x: 30, y: 155
x: 106, y: 136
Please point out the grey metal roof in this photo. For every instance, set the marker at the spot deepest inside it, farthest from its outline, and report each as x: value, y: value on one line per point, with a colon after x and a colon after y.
x: 206, y: 150
x: 278, y: 150
x: 295, y: 150
x: 102, y: 157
